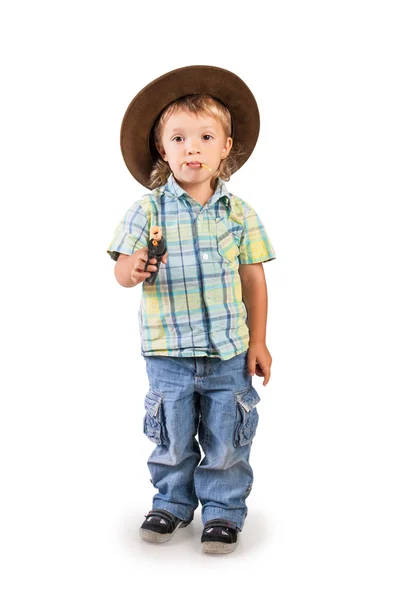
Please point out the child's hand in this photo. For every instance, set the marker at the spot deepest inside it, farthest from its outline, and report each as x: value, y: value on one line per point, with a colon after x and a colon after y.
x: 139, y: 259
x: 259, y: 360
x: 138, y: 275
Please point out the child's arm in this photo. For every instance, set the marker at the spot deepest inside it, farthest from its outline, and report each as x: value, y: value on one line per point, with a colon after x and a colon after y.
x: 255, y: 298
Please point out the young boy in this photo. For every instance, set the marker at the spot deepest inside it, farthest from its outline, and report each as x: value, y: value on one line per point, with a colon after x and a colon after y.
x: 203, y: 320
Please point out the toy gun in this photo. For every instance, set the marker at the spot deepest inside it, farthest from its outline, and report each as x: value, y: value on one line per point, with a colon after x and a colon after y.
x: 157, y: 247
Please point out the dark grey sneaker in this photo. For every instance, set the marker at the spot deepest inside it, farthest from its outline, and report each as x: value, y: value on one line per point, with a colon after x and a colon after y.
x: 160, y: 526
x: 220, y: 536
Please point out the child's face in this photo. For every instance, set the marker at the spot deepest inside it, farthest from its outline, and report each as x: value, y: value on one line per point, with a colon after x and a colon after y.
x: 193, y: 138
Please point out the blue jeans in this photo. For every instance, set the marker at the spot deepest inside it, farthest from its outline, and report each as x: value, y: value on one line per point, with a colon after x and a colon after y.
x: 216, y: 400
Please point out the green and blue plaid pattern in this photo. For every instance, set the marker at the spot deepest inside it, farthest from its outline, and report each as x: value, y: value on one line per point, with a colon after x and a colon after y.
x: 195, y: 306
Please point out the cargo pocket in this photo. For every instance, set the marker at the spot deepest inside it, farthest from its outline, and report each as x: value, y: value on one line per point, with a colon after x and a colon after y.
x: 227, y: 242
x: 246, y: 416
x: 153, y: 425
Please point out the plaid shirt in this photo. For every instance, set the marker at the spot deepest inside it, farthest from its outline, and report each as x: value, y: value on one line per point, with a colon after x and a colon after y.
x: 195, y: 306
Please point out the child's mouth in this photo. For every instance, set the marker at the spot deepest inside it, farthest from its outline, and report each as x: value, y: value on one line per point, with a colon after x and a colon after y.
x: 196, y: 165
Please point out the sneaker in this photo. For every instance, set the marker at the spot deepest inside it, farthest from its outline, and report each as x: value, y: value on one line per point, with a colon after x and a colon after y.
x: 160, y: 526
x: 219, y: 536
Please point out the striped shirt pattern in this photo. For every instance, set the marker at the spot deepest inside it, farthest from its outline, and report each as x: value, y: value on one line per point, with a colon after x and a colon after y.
x: 195, y: 306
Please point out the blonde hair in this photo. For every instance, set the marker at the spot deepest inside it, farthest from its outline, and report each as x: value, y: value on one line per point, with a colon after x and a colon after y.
x: 203, y: 104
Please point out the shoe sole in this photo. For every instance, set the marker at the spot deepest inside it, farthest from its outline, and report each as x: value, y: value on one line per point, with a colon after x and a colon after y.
x: 159, y: 538
x: 218, y: 547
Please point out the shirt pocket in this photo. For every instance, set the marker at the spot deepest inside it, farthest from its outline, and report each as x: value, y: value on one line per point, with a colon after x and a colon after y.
x: 228, y: 239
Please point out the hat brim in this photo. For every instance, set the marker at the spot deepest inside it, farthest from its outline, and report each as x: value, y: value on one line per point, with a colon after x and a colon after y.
x: 137, y: 150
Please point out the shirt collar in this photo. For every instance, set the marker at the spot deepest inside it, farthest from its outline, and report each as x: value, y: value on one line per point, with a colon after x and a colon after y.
x: 221, y: 192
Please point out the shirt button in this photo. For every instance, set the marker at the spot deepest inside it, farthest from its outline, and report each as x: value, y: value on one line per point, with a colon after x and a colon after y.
x: 205, y: 256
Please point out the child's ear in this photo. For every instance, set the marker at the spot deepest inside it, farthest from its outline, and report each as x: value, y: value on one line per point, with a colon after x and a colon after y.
x: 161, y: 152
x: 228, y: 147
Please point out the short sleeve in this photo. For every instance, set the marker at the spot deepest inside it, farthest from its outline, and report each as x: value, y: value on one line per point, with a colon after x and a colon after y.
x: 255, y: 245
x: 131, y: 234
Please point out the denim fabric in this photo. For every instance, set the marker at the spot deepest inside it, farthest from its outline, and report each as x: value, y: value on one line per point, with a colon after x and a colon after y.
x: 214, y: 399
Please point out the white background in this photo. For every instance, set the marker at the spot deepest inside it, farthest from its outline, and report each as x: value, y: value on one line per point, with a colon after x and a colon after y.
x: 324, y: 511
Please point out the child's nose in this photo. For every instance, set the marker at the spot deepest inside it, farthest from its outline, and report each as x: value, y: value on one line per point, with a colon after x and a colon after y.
x: 192, y: 148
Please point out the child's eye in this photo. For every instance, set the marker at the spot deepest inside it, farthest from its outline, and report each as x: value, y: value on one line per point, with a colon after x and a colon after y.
x: 178, y: 138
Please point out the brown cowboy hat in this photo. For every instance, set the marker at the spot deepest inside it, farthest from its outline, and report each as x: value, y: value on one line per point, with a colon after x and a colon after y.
x: 137, y: 144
